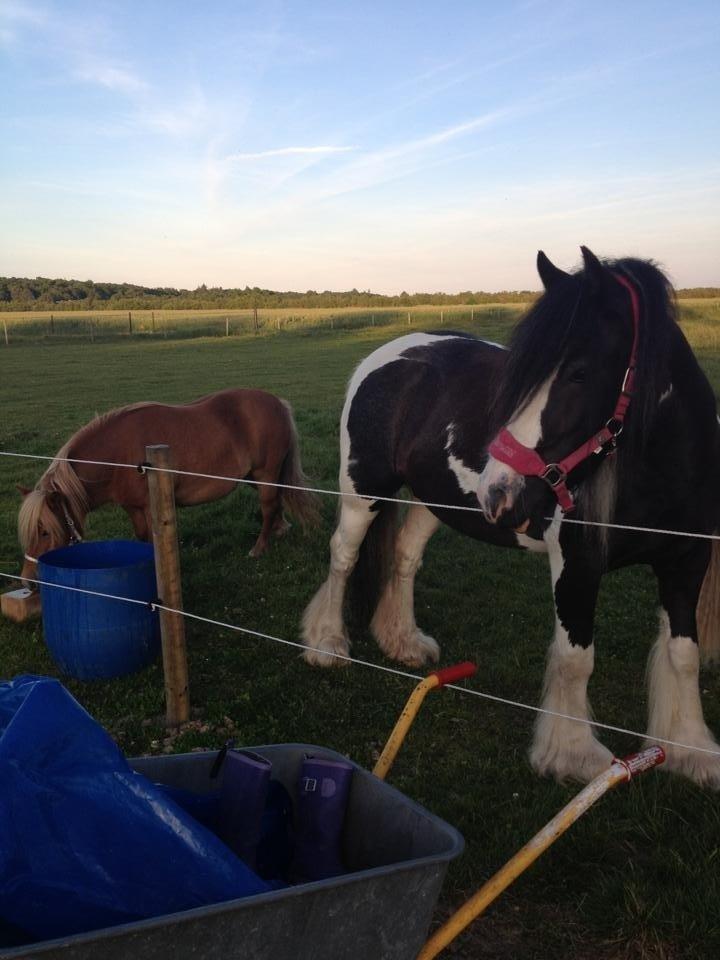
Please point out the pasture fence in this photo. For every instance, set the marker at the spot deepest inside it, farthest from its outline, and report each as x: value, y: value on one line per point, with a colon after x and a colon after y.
x: 167, y: 575
x: 159, y: 605
x: 394, y: 671
x: 627, y: 527
x: 92, y: 326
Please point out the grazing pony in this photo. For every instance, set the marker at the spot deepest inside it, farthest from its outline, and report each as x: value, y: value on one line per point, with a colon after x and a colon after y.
x: 233, y: 433
x: 598, y: 410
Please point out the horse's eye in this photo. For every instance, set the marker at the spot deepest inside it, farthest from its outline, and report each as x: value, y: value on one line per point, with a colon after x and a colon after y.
x: 577, y: 375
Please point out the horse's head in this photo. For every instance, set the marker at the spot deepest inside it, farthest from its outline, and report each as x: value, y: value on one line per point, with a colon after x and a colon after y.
x: 42, y: 525
x: 564, y: 390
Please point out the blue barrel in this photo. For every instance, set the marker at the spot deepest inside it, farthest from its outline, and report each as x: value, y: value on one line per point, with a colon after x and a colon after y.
x: 92, y: 637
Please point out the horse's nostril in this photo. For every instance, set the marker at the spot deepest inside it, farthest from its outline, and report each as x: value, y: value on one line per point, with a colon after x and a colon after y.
x: 495, y: 500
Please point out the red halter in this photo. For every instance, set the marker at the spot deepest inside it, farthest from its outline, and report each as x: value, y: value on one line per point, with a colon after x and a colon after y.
x: 529, y: 463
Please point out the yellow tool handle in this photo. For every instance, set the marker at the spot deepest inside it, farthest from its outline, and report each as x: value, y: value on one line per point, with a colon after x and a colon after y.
x: 437, y: 679
x: 618, y: 772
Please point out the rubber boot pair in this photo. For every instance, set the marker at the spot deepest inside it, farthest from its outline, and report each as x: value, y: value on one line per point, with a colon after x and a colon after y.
x: 254, y: 830
x: 322, y: 798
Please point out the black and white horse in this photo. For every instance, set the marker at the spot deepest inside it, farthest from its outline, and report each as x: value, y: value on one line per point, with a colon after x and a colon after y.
x: 598, y: 410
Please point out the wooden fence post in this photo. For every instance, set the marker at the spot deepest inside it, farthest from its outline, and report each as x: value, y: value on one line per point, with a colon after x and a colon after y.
x: 7, y: 339
x: 167, y: 570
x: 129, y: 322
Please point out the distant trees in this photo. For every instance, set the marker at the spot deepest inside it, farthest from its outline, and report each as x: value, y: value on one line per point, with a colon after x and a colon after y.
x: 18, y: 293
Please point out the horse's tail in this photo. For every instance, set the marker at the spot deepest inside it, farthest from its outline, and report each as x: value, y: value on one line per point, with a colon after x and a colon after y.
x: 708, y: 609
x: 301, y: 503
x: 375, y: 561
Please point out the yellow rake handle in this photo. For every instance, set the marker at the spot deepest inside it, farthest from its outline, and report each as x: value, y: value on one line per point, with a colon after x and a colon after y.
x: 437, y: 679
x: 619, y: 772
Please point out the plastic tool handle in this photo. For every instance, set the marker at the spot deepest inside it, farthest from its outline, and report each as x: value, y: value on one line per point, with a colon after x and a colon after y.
x: 640, y: 762
x: 461, y: 671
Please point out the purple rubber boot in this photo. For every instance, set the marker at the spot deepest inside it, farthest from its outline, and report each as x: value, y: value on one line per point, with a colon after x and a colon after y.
x: 243, y: 793
x: 323, y: 791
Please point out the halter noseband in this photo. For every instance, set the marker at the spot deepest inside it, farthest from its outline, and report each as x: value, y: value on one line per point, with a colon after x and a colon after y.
x: 528, y: 462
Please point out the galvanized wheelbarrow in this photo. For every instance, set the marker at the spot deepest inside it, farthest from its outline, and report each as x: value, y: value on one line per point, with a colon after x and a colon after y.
x: 396, y: 852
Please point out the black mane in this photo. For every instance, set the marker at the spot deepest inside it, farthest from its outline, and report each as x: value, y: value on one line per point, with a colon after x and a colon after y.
x: 564, y: 316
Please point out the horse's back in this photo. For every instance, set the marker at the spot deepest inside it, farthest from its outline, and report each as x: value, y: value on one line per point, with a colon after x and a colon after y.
x: 401, y: 366
x: 212, y: 434
x: 404, y: 397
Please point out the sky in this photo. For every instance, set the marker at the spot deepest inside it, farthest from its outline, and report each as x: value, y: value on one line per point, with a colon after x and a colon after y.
x: 416, y: 146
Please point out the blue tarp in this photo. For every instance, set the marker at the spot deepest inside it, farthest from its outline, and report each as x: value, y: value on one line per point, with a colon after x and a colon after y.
x: 85, y: 842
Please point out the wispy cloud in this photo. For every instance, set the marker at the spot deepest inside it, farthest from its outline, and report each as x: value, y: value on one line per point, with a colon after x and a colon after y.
x: 187, y: 116
x: 112, y: 77
x: 288, y: 152
x: 16, y: 16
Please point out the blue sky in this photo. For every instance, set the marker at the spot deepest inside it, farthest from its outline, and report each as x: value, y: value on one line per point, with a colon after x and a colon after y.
x: 329, y: 145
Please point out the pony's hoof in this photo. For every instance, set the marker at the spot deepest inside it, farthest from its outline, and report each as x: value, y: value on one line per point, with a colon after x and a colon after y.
x: 257, y: 551
x: 330, y: 652
x: 417, y: 650
x: 701, y: 768
x: 565, y: 760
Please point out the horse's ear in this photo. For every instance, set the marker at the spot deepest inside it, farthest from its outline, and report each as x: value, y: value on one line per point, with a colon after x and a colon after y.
x: 549, y: 273
x: 23, y: 491
x: 595, y: 272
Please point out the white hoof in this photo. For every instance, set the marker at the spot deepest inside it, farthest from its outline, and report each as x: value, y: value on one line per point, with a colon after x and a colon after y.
x: 416, y: 650
x: 402, y: 642
x: 701, y: 768
x: 562, y: 751
x: 323, y: 632
x: 328, y: 652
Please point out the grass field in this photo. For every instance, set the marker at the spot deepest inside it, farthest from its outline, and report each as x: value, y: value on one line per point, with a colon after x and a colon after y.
x: 639, y: 876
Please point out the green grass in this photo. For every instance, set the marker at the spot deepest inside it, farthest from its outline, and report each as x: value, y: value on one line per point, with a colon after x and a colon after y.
x: 638, y: 876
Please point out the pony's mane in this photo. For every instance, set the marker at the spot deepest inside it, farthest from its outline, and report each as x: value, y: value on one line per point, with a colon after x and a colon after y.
x: 100, y: 419
x: 563, y: 316
x: 60, y: 477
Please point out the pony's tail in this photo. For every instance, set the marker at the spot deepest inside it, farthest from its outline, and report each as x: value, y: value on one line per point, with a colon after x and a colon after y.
x: 302, y: 504
x: 708, y: 609
x: 374, y: 563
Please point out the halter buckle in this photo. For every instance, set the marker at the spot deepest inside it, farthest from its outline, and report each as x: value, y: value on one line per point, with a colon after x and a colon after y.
x: 615, y: 427
x: 554, y: 475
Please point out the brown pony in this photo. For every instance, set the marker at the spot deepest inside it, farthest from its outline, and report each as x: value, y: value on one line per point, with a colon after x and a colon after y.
x: 234, y: 433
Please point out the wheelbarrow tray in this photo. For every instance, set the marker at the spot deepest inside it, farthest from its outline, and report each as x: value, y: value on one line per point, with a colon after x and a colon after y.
x: 396, y: 852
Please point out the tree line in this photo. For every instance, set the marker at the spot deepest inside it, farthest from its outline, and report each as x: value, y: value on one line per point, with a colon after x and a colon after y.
x: 42, y: 293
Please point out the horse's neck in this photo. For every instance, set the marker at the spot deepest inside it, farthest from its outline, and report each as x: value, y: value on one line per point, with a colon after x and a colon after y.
x: 81, y: 483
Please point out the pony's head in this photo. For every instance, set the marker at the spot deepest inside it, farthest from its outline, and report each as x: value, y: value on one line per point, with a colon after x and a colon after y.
x: 48, y: 518
x: 565, y: 394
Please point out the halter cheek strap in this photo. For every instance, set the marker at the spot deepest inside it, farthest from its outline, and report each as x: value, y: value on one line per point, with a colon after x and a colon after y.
x: 75, y: 535
x: 528, y: 462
